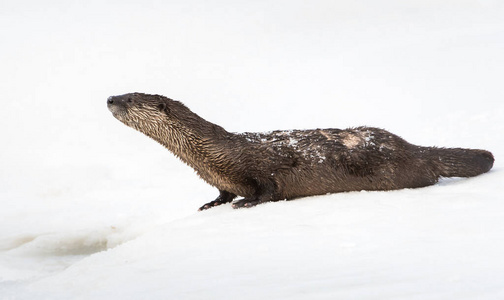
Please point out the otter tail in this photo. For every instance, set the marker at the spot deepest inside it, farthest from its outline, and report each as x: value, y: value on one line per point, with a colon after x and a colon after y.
x: 458, y: 162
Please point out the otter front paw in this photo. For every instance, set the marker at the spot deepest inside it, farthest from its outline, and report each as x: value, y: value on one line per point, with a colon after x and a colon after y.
x: 224, y: 197
x: 212, y: 204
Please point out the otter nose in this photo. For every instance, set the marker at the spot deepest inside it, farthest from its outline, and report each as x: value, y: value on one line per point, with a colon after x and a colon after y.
x: 110, y: 100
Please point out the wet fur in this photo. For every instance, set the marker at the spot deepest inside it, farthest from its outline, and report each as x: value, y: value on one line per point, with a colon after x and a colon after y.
x: 288, y: 164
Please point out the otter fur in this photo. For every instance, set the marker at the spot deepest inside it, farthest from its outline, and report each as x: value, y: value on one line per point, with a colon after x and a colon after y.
x: 288, y: 164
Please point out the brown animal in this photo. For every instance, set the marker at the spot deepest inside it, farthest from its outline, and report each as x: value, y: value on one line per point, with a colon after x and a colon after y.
x: 288, y: 164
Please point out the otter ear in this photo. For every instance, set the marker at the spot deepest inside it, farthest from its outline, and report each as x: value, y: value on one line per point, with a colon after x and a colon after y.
x: 162, y: 107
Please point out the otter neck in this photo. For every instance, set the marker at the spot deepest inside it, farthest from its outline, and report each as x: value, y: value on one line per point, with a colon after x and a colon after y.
x: 192, y: 142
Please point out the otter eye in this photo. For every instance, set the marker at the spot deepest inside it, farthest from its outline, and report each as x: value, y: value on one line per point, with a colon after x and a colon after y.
x: 129, y: 100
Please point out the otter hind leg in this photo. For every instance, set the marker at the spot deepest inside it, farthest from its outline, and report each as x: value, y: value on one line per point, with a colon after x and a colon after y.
x: 247, y: 202
x: 264, y: 195
x: 224, y: 197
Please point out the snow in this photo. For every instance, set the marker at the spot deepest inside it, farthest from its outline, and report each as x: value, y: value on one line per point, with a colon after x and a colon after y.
x: 94, y: 210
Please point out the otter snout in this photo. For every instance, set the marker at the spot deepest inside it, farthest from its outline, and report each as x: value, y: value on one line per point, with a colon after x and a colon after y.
x: 118, y: 100
x: 118, y: 105
x: 110, y: 100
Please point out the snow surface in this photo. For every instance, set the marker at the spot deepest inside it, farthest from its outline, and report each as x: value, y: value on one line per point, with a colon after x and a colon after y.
x: 94, y: 210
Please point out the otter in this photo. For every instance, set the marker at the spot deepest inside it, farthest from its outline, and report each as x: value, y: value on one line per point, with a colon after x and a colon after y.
x: 289, y: 164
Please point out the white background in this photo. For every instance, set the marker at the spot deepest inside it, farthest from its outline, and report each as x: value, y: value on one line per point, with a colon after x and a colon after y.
x: 91, y: 209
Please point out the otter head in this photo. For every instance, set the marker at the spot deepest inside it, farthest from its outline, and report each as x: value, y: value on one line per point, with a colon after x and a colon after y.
x: 135, y: 108
x: 158, y: 117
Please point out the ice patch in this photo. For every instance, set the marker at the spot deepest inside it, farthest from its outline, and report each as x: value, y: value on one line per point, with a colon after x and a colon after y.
x: 21, y: 255
x: 369, y: 138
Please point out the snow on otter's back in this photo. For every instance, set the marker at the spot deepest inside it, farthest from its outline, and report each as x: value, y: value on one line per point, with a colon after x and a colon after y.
x: 305, y: 142
x: 317, y: 144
